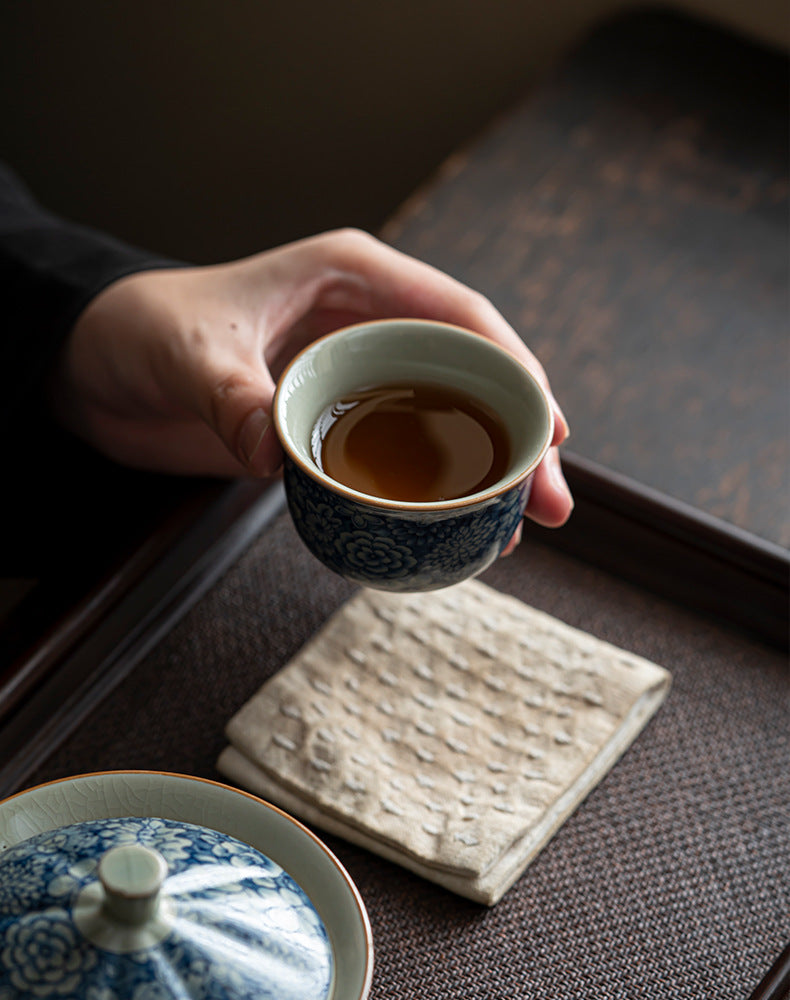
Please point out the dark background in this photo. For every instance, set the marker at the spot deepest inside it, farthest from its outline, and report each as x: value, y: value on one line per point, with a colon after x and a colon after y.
x: 208, y: 130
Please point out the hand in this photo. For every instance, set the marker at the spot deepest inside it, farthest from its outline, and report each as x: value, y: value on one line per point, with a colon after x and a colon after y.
x: 174, y: 370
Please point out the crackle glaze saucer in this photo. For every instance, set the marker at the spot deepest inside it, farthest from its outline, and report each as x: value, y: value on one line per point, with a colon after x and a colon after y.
x: 127, y: 882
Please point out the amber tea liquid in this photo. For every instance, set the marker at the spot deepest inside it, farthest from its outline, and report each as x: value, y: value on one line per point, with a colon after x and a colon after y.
x: 417, y: 443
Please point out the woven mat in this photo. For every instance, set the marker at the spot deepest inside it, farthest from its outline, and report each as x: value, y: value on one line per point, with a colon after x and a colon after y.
x: 670, y: 882
x: 450, y: 732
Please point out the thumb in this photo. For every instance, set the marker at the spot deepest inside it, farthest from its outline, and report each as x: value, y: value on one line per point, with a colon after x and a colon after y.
x: 258, y: 448
x: 238, y: 408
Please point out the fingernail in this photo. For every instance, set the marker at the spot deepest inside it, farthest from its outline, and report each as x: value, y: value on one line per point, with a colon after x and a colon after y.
x: 560, y: 417
x: 253, y: 431
x: 557, y: 477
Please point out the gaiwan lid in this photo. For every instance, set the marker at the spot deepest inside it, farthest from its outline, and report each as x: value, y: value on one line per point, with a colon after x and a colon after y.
x: 152, y: 909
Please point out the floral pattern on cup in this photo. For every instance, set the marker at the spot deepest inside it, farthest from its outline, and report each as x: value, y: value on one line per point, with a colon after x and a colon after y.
x: 242, y: 928
x: 404, y: 550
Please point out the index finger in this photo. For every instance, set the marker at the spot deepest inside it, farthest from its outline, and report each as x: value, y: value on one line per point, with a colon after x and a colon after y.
x: 383, y: 282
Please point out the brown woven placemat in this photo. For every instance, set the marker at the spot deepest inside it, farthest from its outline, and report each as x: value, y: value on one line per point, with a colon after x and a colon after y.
x: 671, y: 881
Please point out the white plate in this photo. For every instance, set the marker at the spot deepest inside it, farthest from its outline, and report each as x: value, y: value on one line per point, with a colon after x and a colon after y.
x: 220, y: 807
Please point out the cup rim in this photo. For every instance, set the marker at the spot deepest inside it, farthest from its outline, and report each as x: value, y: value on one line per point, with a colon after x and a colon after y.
x: 383, y: 503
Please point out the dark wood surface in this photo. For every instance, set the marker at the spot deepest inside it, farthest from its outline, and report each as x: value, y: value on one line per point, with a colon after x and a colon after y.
x: 675, y: 550
x: 630, y: 219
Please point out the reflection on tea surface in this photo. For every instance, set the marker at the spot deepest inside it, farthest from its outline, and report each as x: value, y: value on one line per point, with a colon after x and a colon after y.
x: 417, y: 443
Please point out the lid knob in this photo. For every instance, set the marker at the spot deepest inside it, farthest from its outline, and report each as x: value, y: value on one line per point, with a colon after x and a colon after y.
x: 132, y: 876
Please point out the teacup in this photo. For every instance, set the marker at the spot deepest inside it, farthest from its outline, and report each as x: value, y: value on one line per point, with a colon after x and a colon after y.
x: 395, y: 544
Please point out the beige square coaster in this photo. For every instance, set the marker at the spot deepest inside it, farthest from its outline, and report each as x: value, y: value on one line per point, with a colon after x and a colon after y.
x: 452, y: 732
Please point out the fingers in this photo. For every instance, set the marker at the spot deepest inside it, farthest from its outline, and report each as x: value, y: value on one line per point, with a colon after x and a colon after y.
x: 550, y: 502
x: 373, y: 280
x: 389, y: 283
x: 239, y: 323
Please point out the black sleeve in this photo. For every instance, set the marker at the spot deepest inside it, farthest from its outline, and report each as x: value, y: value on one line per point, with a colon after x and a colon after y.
x: 50, y: 269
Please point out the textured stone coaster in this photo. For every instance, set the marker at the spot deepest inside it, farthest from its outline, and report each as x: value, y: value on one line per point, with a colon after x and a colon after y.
x: 452, y: 732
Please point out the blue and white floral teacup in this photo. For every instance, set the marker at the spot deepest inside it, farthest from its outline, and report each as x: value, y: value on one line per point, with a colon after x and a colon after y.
x: 392, y: 544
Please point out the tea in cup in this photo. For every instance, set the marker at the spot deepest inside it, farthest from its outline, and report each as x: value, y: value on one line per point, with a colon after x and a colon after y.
x: 410, y: 447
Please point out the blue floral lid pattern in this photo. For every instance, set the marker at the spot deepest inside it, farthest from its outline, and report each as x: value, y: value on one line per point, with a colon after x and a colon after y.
x: 239, y: 927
